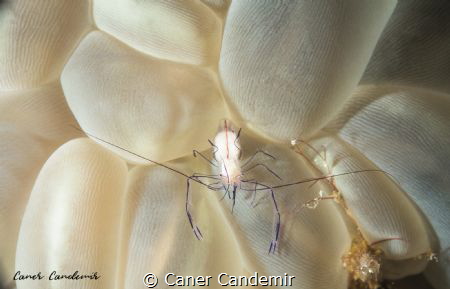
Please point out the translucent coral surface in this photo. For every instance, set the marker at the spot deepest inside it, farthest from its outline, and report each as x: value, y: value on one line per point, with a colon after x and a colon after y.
x: 103, y: 102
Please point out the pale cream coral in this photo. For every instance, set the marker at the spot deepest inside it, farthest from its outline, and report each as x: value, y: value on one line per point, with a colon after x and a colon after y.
x: 74, y: 216
x: 163, y: 110
x: 181, y: 31
x: 37, y: 39
x: 155, y: 77
x: 287, y: 73
x: 33, y: 124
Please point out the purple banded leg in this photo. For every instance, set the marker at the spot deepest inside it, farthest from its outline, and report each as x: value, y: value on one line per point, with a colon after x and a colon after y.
x: 264, y: 166
x: 197, y: 178
x: 274, y: 242
x: 235, y: 141
x: 277, y: 217
x: 196, y: 152
x: 253, y: 156
x: 211, y: 186
x: 194, y: 227
x: 226, y: 192
x: 215, y: 149
x: 234, y: 198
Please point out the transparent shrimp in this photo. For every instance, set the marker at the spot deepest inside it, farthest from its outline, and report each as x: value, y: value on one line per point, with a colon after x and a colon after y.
x: 227, y: 155
x: 363, y: 260
x: 227, y: 158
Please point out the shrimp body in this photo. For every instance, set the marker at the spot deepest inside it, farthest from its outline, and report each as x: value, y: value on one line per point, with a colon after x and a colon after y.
x: 227, y: 153
x: 227, y: 158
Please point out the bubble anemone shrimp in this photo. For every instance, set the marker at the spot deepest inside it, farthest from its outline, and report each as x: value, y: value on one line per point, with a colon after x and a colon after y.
x: 231, y: 176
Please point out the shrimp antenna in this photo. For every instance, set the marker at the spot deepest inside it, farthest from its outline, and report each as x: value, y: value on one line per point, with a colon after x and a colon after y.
x: 137, y: 155
x: 330, y: 176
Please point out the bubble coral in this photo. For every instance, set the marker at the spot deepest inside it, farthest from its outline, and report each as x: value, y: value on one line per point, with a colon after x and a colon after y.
x: 365, y: 83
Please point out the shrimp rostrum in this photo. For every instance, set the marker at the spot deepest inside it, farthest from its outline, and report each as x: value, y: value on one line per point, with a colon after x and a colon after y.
x: 231, y: 176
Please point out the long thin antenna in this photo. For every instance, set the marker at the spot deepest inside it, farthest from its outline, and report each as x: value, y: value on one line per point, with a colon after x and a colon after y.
x: 200, y: 182
x: 137, y: 155
x: 327, y: 177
